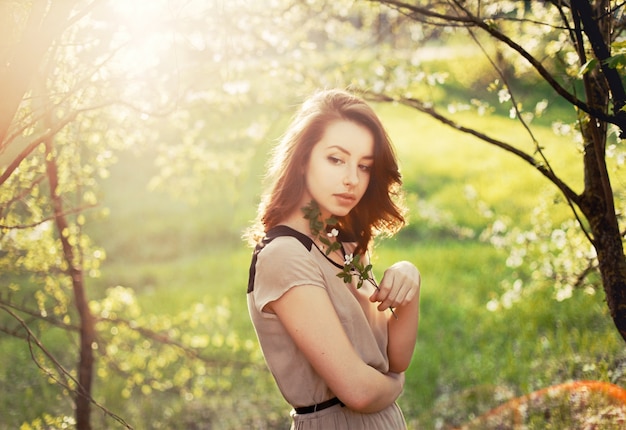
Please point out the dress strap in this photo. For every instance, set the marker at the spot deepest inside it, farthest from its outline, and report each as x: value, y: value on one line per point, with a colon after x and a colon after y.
x: 273, y: 233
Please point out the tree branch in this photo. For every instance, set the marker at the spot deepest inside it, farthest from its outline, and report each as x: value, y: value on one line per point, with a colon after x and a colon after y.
x: 164, y: 339
x: 65, y: 375
x: 422, y: 107
x: 470, y: 19
x: 49, y: 133
x: 602, y: 52
x: 65, y: 212
x: 538, y: 149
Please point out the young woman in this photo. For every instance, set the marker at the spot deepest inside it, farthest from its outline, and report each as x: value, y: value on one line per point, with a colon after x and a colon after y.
x: 336, y: 342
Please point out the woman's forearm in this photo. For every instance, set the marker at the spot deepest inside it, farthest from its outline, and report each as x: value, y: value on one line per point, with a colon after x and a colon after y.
x: 403, y: 335
x: 373, y: 391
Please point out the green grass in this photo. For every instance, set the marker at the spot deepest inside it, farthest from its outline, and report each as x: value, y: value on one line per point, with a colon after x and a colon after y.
x: 463, y: 347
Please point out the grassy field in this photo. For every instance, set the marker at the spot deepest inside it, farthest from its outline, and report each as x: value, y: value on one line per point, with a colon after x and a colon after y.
x: 468, y: 359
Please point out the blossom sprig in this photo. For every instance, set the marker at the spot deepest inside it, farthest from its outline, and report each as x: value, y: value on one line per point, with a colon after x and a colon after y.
x: 326, y: 233
x: 352, y: 266
x: 319, y: 228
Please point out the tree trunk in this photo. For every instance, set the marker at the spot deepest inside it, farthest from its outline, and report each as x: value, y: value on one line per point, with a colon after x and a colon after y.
x: 606, y: 235
x: 87, y: 321
x: 597, y: 201
x: 71, y: 254
x: 613, y: 270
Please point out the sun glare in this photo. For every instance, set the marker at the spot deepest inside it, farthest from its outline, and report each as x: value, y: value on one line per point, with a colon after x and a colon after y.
x: 162, y: 44
x: 144, y: 29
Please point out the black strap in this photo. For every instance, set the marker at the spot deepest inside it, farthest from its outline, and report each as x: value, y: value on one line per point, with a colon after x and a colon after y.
x: 273, y: 233
x: 320, y: 406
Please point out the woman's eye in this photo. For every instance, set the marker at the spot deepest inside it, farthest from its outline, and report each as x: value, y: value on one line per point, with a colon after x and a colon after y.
x: 365, y: 167
x: 335, y: 160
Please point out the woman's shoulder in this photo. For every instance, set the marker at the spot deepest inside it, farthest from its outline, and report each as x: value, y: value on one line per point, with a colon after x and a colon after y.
x: 283, y: 262
x: 286, y: 248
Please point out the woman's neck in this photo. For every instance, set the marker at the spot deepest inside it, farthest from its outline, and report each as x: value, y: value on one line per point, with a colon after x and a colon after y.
x: 299, y: 223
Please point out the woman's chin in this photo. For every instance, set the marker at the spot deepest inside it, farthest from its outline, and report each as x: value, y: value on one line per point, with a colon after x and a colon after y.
x: 341, y: 212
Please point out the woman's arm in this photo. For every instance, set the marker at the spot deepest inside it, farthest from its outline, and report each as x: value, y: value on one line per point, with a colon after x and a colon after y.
x: 400, y: 289
x: 311, y: 320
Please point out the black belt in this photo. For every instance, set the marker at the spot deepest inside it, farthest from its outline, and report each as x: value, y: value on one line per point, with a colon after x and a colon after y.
x: 320, y: 406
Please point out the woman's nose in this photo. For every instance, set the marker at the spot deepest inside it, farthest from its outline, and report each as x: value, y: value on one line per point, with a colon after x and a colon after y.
x: 351, y: 176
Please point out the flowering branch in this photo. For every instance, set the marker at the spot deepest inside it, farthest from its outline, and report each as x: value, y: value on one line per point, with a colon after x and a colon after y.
x: 326, y: 233
x: 313, y: 214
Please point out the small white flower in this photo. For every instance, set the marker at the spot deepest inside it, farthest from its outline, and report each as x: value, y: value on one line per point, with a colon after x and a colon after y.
x: 348, y: 259
x: 333, y: 233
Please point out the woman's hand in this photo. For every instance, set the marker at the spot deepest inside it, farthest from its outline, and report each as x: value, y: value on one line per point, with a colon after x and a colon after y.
x: 400, y: 289
x: 399, y: 286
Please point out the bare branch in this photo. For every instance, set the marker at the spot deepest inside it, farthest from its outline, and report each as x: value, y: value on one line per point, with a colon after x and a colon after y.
x: 34, y: 144
x: 422, y: 107
x: 65, y: 212
x: 37, y: 315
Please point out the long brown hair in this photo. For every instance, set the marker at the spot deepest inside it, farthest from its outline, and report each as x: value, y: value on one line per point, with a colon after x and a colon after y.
x: 379, y: 211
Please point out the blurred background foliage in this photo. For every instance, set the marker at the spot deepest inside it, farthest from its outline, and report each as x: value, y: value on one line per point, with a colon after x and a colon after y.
x: 162, y: 114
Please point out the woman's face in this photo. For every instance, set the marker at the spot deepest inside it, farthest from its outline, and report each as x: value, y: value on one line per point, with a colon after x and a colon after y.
x: 339, y: 168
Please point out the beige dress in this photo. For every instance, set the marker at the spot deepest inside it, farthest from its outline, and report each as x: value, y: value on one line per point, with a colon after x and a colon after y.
x: 287, y: 262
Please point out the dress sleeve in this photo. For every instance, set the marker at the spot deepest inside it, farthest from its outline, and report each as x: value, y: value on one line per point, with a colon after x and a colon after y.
x: 283, y: 264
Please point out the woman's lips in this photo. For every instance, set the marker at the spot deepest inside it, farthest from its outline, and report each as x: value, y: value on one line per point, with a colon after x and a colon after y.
x: 346, y: 199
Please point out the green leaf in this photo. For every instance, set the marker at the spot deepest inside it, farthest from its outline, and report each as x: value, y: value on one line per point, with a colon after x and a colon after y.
x: 332, y: 221
x: 616, y: 61
x: 347, y: 277
x: 335, y: 246
x: 587, y: 67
